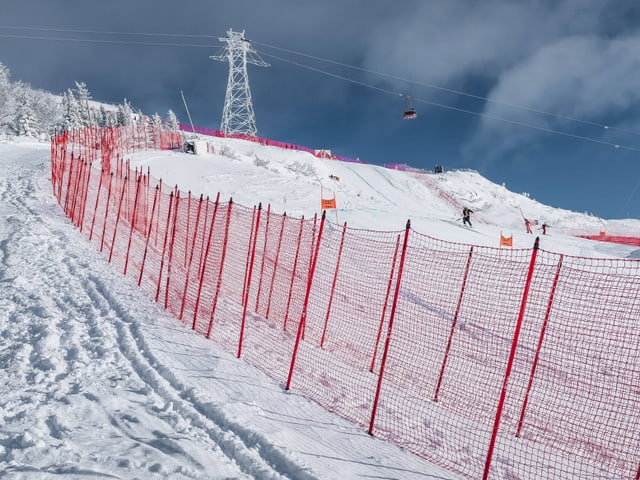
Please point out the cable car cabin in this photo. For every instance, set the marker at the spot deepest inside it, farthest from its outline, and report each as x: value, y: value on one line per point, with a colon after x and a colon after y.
x: 409, y: 114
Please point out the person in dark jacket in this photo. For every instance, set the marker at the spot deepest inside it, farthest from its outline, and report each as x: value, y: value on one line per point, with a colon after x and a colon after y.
x: 466, y: 216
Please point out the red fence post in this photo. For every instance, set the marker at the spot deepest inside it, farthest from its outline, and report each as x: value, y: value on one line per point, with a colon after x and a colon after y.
x: 264, y: 256
x: 303, y: 317
x: 214, y: 304
x: 127, y: 200
x: 133, y: 222
x: 293, y: 273
x: 171, y: 244
x: 186, y: 237
x: 106, y: 212
x: 86, y: 171
x: 145, y: 197
x: 392, y: 316
x: 74, y: 189
x: 54, y: 160
x: 202, y: 248
x: 313, y: 246
x: 512, y: 354
x: 201, y: 271
x: 95, y: 210
x: 164, y: 245
x: 66, y: 197
x: 453, y: 324
x: 537, y: 356
x: 333, y: 286
x: 246, y: 263
x: 275, y: 266
x: 384, y: 306
x: 74, y: 140
x: 190, y: 263
x: 77, y: 184
x: 62, y: 168
x: 313, y: 239
x: 155, y: 237
x: 248, y: 282
x: 84, y: 198
x: 125, y: 187
x: 148, y: 239
x: 82, y: 188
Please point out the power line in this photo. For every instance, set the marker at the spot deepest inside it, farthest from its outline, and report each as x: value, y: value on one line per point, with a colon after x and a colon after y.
x: 334, y: 75
x: 457, y: 109
x: 314, y: 57
x: 449, y: 90
x: 341, y: 77
x: 633, y: 192
x: 103, y: 32
x: 114, y: 42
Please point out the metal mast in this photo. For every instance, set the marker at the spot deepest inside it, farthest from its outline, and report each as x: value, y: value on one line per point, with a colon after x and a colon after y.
x: 238, y: 116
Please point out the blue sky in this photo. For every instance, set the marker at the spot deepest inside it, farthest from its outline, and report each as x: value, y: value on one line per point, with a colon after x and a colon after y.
x: 520, y: 91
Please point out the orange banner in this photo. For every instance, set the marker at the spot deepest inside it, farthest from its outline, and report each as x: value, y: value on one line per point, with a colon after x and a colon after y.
x: 506, y: 242
x: 328, y: 203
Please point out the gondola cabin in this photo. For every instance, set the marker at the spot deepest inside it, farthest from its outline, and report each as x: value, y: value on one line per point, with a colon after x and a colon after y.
x: 409, y: 114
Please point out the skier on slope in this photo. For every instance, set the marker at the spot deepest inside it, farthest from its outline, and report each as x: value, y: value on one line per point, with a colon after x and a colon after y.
x: 527, y: 224
x: 466, y: 216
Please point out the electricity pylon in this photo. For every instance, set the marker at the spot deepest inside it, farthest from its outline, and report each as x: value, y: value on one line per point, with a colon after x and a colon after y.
x: 238, y: 116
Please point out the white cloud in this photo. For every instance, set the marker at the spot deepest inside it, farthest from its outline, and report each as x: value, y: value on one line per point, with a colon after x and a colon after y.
x: 577, y: 78
x: 445, y: 41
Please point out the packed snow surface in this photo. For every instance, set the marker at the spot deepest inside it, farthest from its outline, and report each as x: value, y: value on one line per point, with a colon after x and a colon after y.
x: 98, y: 381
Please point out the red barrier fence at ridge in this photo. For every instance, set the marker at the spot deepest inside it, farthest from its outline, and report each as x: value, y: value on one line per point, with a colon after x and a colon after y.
x: 623, y: 240
x: 495, y: 363
x: 263, y: 141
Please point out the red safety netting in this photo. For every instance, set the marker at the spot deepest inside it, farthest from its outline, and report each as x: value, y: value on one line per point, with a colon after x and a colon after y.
x: 621, y: 239
x: 495, y: 363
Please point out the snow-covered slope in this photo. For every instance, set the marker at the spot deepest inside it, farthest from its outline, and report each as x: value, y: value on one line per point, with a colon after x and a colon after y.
x: 379, y: 198
x: 98, y: 381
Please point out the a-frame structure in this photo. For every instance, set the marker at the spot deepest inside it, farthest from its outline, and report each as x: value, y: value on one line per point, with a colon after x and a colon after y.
x: 238, y: 116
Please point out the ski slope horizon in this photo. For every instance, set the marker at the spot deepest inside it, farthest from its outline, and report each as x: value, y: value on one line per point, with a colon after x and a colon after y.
x: 378, y: 198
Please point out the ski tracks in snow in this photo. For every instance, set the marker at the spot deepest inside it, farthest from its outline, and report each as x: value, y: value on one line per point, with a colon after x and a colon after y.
x: 72, y: 331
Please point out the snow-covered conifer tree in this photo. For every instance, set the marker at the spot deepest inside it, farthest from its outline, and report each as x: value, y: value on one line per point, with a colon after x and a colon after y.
x: 7, y: 101
x: 83, y: 96
x: 140, y: 117
x: 5, y: 85
x: 111, y: 119
x: 172, y: 124
x: 25, y: 121
x: 25, y: 111
x: 125, y: 114
x: 72, y: 119
x: 156, y: 121
x: 48, y: 110
x: 102, y: 117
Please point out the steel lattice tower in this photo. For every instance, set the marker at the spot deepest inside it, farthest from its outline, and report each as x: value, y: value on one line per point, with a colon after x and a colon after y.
x: 238, y: 116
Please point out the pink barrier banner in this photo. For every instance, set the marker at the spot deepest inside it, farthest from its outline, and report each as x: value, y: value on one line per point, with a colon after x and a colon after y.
x: 633, y: 241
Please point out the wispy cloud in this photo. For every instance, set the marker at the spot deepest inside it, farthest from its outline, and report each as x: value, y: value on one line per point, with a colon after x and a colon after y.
x: 586, y: 78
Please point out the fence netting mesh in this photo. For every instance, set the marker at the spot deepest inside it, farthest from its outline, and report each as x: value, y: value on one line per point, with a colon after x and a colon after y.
x: 496, y: 362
